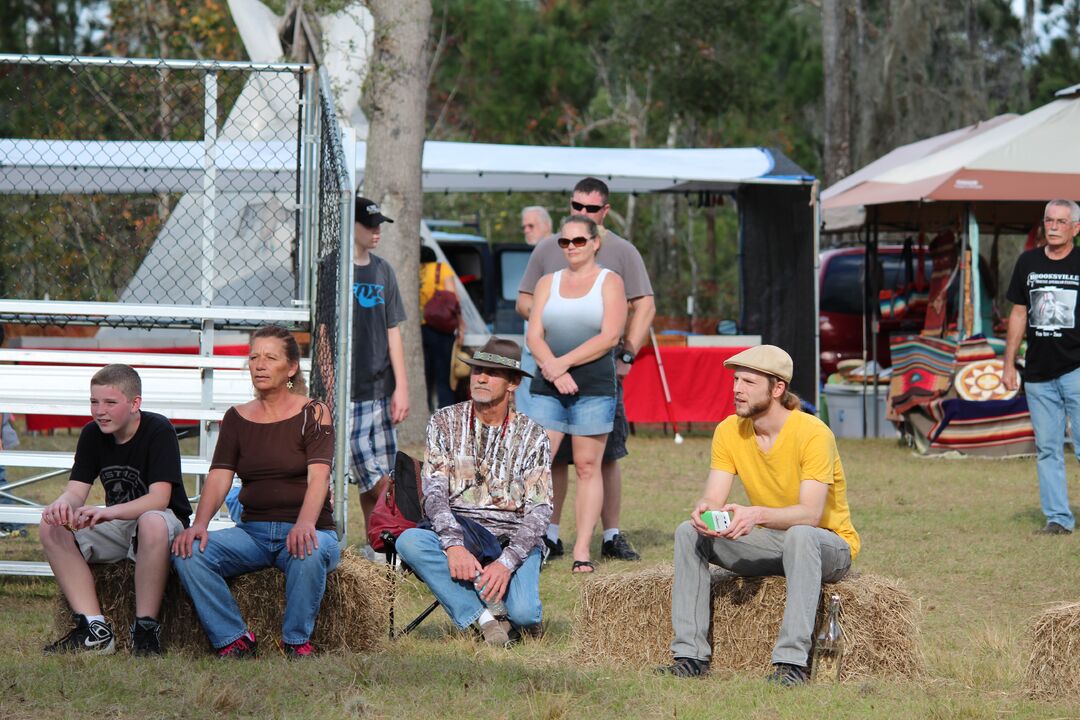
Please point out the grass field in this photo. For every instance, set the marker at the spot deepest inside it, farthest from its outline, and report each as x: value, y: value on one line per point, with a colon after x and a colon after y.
x: 958, y: 533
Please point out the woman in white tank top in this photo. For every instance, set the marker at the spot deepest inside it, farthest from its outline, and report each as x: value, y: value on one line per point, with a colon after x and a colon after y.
x: 577, y: 317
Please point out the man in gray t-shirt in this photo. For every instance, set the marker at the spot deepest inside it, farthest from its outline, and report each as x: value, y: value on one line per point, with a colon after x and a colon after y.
x: 590, y: 198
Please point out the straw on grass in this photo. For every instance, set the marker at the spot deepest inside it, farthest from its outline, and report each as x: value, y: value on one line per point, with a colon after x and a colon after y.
x: 354, y: 614
x: 1054, y: 667
x: 625, y: 618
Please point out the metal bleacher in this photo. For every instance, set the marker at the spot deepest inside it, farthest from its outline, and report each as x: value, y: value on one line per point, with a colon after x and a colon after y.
x: 189, y: 388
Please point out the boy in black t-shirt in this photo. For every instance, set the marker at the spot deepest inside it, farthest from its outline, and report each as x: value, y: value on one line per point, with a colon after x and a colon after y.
x: 137, y: 457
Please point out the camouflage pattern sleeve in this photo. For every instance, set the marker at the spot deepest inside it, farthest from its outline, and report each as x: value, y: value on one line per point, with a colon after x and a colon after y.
x: 538, y: 494
x: 438, y: 466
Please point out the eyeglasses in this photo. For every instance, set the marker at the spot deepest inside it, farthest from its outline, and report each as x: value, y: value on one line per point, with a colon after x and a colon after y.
x: 587, y: 208
x: 1054, y: 222
x: 579, y: 241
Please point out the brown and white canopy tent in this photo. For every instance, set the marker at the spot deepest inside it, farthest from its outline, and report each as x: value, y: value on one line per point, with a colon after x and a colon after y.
x: 997, y: 168
x: 994, y: 176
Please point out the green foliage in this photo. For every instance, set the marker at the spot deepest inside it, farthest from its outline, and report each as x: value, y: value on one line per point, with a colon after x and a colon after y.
x: 1055, y: 70
x: 50, y: 28
x: 1059, y: 66
x: 74, y: 247
x: 720, y: 73
x: 508, y: 71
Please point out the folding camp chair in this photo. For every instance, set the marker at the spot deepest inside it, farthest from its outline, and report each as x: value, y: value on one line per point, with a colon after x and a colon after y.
x: 399, y: 508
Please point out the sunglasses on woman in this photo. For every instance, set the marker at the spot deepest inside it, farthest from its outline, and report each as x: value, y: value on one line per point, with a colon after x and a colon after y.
x: 577, y: 241
x: 587, y: 208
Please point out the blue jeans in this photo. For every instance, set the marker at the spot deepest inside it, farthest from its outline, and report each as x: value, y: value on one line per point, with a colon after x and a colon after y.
x: 423, y: 553
x: 246, y: 548
x: 1049, y: 403
x: 438, y: 349
x: 232, y: 502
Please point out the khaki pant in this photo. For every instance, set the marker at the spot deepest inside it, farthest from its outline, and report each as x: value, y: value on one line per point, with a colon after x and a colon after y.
x: 805, y: 555
x: 115, y: 540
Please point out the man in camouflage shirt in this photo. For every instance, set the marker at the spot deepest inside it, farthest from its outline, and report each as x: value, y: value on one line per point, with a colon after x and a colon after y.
x: 485, y: 465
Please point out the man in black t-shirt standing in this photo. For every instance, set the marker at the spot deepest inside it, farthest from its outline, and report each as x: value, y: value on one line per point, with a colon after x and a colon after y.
x: 137, y: 457
x: 1044, y: 289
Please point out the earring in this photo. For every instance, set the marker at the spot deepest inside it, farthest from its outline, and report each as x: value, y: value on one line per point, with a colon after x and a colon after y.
x: 289, y: 384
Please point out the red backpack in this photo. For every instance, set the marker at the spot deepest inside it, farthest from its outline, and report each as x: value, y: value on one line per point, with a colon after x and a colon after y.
x: 442, y: 311
x: 400, y: 505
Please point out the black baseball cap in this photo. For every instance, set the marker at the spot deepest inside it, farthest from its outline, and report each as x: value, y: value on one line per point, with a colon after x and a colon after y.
x: 368, y: 213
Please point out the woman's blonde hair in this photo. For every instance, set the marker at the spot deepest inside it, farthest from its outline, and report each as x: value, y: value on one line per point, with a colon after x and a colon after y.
x: 292, y: 353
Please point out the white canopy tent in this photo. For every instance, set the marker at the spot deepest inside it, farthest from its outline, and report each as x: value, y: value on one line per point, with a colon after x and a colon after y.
x: 777, y: 230
x: 59, y: 166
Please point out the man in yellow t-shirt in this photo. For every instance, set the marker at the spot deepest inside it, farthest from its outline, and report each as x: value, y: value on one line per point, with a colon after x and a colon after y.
x: 797, y: 525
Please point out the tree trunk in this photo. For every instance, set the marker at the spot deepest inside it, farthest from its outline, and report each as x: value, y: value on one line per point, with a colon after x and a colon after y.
x: 394, y: 100
x: 835, y: 33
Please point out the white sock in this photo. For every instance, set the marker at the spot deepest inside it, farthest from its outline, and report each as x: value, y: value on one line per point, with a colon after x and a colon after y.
x: 610, y: 534
x: 485, y: 618
x: 553, y: 532
x: 92, y: 618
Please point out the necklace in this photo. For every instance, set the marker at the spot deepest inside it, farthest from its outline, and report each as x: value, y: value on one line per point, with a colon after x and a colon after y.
x: 483, y: 467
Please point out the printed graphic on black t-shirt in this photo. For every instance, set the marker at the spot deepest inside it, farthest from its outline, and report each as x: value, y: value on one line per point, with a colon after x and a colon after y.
x: 1052, y: 308
x: 127, y: 470
x: 123, y: 483
x: 368, y: 294
x: 378, y: 306
x: 1049, y: 289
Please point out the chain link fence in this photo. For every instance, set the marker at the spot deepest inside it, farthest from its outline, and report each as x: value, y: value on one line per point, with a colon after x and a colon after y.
x: 178, y: 194
x: 153, y: 182
x: 333, y: 198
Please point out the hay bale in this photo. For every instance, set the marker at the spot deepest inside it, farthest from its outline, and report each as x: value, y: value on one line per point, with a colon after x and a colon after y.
x: 354, y: 614
x: 626, y: 618
x: 1053, y: 670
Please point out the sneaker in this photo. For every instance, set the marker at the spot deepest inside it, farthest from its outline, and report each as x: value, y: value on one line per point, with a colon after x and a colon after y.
x: 788, y: 675
x: 619, y: 548
x: 554, y: 549
x: 93, y: 637
x: 495, y: 634
x: 685, y: 668
x: 1053, y: 528
x: 8, y: 530
x: 146, y: 637
x: 244, y: 646
x: 303, y: 650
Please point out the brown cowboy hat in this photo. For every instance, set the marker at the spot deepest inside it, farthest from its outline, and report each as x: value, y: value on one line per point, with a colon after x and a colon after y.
x: 500, y: 354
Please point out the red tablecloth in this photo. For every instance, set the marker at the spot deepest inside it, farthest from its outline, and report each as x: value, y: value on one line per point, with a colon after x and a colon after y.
x: 700, y: 385
x: 56, y: 422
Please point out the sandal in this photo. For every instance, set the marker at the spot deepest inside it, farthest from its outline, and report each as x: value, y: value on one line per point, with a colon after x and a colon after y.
x: 583, y: 564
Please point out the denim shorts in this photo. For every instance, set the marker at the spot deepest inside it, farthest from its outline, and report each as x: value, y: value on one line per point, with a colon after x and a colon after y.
x: 574, y: 414
x: 614, y: 448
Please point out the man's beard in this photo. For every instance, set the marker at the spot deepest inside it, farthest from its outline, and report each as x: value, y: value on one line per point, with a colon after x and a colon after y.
x: 753, y: 410
x: 485, y: 404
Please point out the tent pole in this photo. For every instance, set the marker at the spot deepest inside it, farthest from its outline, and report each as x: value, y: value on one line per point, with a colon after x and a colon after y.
x: 961, y: 327
x: 816, y: 200
x: 866, y: 304
x: 874, y: 328
x: 975, y: 243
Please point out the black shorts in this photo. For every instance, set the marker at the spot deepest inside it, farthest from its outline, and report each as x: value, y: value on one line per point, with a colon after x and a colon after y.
x: 615, y: 449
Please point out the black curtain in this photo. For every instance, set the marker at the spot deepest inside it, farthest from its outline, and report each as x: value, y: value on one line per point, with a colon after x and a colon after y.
x: 776, y: 266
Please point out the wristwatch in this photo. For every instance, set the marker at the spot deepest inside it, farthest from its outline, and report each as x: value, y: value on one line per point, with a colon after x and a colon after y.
x: 626, y: 356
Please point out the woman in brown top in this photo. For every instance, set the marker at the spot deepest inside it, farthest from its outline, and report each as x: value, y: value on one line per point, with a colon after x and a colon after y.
x: 280, y: 444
